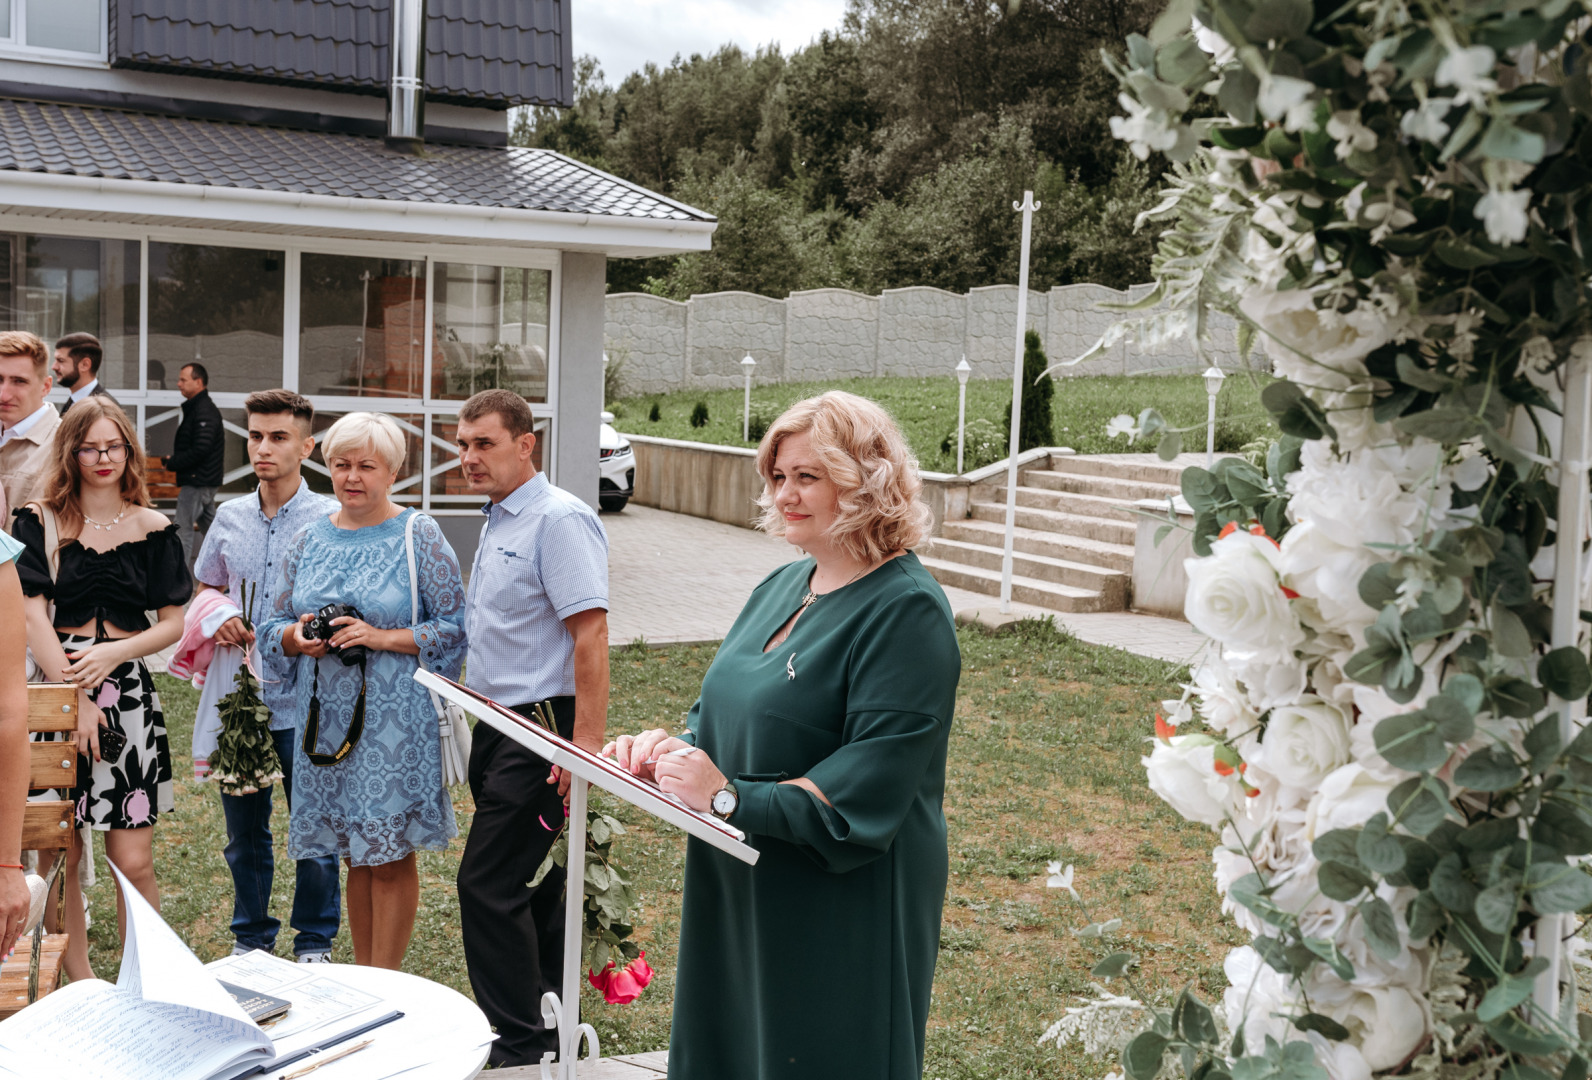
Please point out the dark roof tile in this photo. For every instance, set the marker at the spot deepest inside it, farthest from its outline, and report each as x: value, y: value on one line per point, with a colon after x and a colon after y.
x: 81, y: 141
x: 344, y: 43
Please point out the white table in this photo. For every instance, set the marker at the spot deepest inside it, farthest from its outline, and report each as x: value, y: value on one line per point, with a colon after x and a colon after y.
x: 430, y: 1010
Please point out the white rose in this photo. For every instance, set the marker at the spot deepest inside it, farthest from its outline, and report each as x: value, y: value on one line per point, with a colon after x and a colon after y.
x: 1259, y: 999
x: 1182, y: 770
x: 1268, y: 679
x: 1304, y: 742
x: 1386, y: 1023
x: 1234, y: 597
x: 1221, y: 700
x: 1346, y: 799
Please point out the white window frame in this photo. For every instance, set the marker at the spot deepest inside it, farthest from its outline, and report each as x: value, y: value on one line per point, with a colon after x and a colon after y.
x: 15, y: 47
x: 153, y: 406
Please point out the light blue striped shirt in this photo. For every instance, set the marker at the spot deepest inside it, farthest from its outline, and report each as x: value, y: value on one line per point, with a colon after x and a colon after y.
x: 542, y: 557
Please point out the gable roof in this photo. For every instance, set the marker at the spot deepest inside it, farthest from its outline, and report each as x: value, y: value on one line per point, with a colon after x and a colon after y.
x: 41, y: 137
x: 478, y: 52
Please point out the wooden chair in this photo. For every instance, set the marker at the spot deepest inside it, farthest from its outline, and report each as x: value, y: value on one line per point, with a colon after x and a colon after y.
x: 46, y: 827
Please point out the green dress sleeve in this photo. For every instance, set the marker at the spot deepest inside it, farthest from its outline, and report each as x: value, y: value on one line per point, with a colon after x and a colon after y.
x: 900, y: 696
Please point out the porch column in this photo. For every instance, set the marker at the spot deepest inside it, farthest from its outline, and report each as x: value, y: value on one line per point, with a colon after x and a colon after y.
x: 580, y: 372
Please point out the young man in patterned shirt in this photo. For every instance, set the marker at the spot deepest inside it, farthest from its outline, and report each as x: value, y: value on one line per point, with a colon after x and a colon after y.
x: 245, y: 545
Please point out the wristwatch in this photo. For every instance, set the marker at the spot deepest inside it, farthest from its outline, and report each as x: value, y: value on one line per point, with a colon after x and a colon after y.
x: 726, y: 800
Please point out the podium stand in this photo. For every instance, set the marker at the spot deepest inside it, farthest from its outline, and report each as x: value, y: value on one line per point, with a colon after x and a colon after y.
x: 585, y: 769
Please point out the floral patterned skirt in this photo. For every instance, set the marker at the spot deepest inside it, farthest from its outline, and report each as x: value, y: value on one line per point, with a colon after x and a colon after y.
x: 130, y: 791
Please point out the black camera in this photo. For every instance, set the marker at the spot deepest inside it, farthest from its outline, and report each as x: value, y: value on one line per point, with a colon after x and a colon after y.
x: 320, y: 627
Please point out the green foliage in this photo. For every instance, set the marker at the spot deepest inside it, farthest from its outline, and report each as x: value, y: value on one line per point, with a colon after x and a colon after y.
x: 611, y: 904
x: 654, y: 414
x: 1236, y: 492
x: 1038, y: 391
x: 882, y: 155
x: 245, y: 758
x: 699, y: 414
x: 761, y: 417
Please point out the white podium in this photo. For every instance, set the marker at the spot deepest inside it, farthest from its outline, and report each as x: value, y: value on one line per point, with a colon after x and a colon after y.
x: 585, y: 769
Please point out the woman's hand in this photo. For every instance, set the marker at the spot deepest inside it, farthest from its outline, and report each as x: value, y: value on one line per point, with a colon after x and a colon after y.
x: 635, y: 753
x: 692, y: 778
x: 301, y: 645
x: 89, y: 721
x: 234, y: 633
x: 352, y: 631
x: 14, y: 904
x: 93, y: 665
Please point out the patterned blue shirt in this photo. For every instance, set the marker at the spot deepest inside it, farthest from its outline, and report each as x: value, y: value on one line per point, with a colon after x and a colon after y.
x: 243, y: 545
x: 542, y: 557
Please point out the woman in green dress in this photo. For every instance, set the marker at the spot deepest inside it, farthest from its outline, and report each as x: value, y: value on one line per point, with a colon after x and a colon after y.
x: 821, y: 733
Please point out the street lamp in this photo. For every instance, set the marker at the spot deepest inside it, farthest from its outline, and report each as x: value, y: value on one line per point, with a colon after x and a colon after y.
x: 963, y: 370
x: 1213, y: 386
x: 747, y: 364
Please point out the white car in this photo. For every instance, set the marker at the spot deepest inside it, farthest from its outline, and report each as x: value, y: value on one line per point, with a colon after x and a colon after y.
x: 617, y: 467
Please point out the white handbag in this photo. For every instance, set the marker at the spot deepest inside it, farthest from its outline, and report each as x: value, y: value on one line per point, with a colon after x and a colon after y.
x: 453, y: 730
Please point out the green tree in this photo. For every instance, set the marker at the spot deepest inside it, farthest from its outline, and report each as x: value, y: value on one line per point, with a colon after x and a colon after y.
x: 1038, y: 394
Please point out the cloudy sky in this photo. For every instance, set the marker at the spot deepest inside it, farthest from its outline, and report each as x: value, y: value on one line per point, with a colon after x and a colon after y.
x: 625, y: 34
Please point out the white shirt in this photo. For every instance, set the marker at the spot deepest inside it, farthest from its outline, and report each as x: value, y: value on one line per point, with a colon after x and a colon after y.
x: 23, y: 426
x: 83, y: 391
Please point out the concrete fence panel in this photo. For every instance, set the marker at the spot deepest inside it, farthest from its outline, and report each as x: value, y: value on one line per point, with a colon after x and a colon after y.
x: 991, y: 318
x: 830, y: 334
x: 922, y: 331
x: 726, y: 326
x: 650, y: 332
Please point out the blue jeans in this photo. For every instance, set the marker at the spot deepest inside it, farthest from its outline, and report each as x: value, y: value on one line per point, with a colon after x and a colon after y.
x: 316, y: 902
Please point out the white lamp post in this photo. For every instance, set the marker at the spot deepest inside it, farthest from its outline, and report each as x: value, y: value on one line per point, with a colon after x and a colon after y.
x: 747, y: 364
x: 1213, y: 386
x: 963, y: 370
x: 1027, y: 208
x: 605, y: 379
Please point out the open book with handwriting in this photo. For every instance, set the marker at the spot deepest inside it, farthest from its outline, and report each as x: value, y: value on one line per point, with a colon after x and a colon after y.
x: 166, y: 1017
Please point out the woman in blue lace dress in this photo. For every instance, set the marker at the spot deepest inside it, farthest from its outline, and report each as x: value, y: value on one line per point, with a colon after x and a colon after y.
x: 367, y: 771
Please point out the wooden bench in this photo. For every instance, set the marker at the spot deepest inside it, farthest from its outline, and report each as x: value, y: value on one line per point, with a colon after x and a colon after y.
x: 34, y: 970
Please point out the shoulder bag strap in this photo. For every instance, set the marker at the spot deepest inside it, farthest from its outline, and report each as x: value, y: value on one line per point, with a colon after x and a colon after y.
x: 414, y: 597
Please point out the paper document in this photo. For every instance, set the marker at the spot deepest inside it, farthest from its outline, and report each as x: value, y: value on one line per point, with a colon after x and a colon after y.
x: 165, y: 1017
x: 322, y: 1006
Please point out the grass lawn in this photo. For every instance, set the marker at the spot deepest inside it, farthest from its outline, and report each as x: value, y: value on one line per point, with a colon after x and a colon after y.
x: 926, y: 410
x: 1043, y: 765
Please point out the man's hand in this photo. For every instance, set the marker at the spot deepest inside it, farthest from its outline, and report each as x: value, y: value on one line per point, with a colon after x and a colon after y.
x: 558, y: 776
x: 234, y: 633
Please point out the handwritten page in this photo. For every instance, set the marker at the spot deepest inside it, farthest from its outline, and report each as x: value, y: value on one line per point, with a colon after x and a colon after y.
x: 92, y: 1028
x: 321, y: 1001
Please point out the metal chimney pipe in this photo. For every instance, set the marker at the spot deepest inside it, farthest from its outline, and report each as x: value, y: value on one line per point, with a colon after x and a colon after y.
x: 406, y: 94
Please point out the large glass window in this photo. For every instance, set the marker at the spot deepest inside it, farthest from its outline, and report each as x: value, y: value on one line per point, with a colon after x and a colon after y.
x: 406, y: 489
x: 58, y: 285
x: 220, y: 306
x: 70, y: 25
x: 491, y: 330
x: 448, y: 485
x: 362, y: 326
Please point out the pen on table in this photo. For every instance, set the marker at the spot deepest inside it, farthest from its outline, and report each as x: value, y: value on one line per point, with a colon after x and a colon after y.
x: 682, y: 752
x: 327, y: 1059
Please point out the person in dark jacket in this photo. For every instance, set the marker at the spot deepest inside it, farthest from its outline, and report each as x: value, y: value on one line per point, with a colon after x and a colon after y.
x: 196, y: 458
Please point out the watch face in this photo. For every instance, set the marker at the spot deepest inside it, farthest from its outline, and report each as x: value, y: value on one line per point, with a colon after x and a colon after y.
x: 723, y: 802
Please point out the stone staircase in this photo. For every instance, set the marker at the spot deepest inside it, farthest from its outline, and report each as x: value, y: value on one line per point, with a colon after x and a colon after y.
x: 1072, y: 548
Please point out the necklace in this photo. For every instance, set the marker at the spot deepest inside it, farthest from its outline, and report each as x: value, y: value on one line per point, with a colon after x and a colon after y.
x: 812, y: 598
x: 808, y: 600
x: 108, y: 525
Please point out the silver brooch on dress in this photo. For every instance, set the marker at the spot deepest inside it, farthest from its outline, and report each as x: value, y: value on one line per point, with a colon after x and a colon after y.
x: 790, y: 667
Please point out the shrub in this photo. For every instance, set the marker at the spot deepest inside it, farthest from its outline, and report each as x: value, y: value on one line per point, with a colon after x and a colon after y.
x: 983, y: 444
x: 699, y: 415
x: 761, y: 419
x: 654, y: 414
x: 1038, y: 395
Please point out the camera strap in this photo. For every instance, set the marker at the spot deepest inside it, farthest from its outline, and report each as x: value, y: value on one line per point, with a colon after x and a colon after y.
x: 312, y: 725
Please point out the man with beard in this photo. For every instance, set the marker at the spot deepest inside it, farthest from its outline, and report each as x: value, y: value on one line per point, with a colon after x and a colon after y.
x: 77, y: 364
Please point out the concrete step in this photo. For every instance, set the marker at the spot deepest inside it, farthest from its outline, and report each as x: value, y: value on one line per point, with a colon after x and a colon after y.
x: 1086, y: 484
x: 1112, y: 584
x: 1143, y: 467
x: 1055, y: 521
x: 1025, y: 590
x: 1072, y: 502
x: 1076, y: 549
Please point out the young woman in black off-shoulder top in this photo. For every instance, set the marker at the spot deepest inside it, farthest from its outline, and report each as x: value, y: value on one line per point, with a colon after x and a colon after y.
x: 117, y: 559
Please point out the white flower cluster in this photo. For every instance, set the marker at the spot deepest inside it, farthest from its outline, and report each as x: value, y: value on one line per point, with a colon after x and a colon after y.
x: 1289, y: 754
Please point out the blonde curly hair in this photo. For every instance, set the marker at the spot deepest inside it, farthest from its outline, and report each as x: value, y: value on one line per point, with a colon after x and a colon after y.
x: 861, y: 451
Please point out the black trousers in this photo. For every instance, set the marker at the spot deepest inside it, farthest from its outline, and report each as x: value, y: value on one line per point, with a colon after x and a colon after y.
x: 513, y: 935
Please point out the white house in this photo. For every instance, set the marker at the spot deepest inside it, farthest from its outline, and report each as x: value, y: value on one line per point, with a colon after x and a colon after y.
x: 261, y: 185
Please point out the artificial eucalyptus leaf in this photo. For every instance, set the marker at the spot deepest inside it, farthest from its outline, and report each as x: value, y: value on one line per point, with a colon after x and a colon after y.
x: 1141, y: 1058
x: 1324, y: 1026
x: 1113, y: 966
x: 1339, y: 881
x: 1513, y: 1033
x: 1193, y: 1020
x: 1496, y: 906
x: 1558, y: 887
x: 1419, y: 804
x: 1450, y: 888
x: 1564, y: 672
x: 1338, y: 845
x: 1488, y: 769
x: 1505, y: 995
x: 1510, y: 636
x: 1381, y: 928
x: 1411, y: 741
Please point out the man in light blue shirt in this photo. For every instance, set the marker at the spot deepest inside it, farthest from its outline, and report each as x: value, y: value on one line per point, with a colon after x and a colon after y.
x: 245, y: 545
x: 536, y: 620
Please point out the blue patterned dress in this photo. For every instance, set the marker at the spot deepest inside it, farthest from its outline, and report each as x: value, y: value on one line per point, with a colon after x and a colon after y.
x: 385, y: 799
